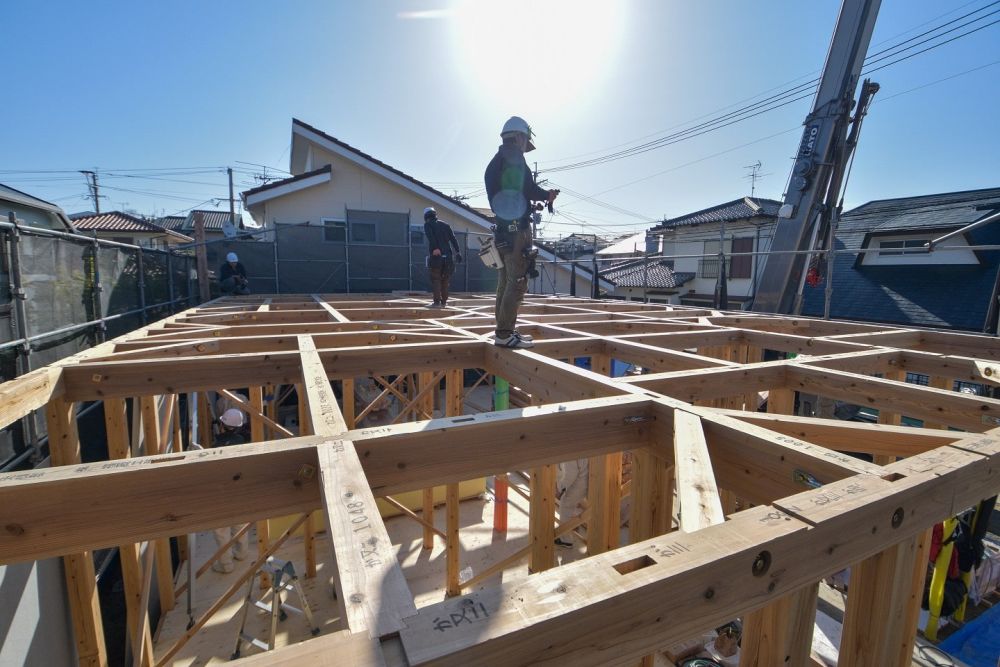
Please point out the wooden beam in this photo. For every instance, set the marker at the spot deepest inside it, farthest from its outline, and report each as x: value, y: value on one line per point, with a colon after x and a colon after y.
x: 717, y: 574
x: 843, y: 436
x: 697, y: 491
x: 335, y: 314
x: 255, y: 415
x: 652, y: 496
x: 372, y: 591
x: 97, y: 380
x: 63, y: 510
x: 974, y: 413
x: 81, y: 580
x: 711, y: 383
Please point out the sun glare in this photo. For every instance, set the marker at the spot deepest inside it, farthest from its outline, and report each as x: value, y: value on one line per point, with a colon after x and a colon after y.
x: 551, y: 52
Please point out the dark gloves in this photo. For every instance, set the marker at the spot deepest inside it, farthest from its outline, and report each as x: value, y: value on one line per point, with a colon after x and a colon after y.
x: 458, y: 258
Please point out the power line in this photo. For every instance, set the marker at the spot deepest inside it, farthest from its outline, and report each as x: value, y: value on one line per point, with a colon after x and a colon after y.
x: 772, y: 102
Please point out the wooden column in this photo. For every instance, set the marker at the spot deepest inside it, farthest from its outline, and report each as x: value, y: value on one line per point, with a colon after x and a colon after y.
x: 604, y: 487
x: 883, y: 604
x: 152, y: 445
x: 81, y: 580
x: 781, y: 633
x: 205, y: 438
x: 309, y: 527
x: 423, y: 380
x: 453, y: 408
x: 116, y: 425
x: 257, y: 435
x: 347, y: 396
x: 605, y: 500
x: 541, y: 518
x: 783, y: 629
x: 652, y: 496
x: 501, y: 401
x: 781, y: 401
x: 890, y: 418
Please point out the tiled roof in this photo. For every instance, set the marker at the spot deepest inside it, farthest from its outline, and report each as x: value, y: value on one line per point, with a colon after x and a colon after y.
x: 635, y: 274
x: 174, y: 222
x: 939, y: 295
x: 739, y: 209
x: 213, y: 220
x: 116, y: 221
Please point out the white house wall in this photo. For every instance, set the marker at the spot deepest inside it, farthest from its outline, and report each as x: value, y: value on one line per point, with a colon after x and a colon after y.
x: 691, y: 241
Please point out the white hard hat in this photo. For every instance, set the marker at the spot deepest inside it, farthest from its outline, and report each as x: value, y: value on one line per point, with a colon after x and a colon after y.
x: 231, y: 257
x: 233, y: 418
x: 429, y: 211
x: 516, y: 124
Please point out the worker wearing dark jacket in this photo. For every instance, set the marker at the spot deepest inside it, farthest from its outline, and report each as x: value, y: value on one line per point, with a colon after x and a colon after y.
x: 233, y: 276
x: 441, y: 259
x: 511, y: 188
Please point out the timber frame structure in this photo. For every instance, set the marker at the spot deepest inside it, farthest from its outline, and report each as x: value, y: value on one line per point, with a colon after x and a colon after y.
x: 769, y: 503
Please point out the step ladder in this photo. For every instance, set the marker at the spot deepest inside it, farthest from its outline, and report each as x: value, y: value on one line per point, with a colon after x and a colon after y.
x: 283, y: 580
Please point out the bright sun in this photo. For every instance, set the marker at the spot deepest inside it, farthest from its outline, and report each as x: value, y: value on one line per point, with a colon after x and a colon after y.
x: 552, y: 52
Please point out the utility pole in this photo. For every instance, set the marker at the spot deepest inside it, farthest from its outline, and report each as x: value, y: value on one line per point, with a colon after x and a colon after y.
x: 232, y: 202
x: 92, y: 186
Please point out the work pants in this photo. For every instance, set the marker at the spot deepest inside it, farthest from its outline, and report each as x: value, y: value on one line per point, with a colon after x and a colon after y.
x: 441, y: 271
x: 239, y: 548
x: 512, y: 282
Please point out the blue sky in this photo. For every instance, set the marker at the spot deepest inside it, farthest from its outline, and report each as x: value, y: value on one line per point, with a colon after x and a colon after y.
x: 425, y: 85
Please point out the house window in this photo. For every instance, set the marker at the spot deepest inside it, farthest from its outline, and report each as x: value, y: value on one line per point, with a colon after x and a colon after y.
x: 334, y: 231
x: 378, y: 228
x: 739, y: 267
x: 909, y: 249
x: 901, y: 246
x: 364, y: 232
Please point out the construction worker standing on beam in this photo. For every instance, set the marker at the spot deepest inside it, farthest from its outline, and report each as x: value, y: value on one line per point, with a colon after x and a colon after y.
x: 511, y: 188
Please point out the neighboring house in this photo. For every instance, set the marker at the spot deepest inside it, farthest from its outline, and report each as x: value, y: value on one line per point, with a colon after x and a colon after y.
x: 32, y: 211
x: 634, y: 245
x: 124, y: 228
x: 898, y: 281
x: 641, y: 280
x: 690, y: 245
x: 354, y: 223
x: 215, y: 221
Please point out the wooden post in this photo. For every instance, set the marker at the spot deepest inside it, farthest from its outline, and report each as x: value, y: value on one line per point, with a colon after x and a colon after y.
x: 81, y: 580
x: 605, y: 500
x: 164, y: 562
x: 257, y: 435
x: 453, y: 408
x: 201, y: 258
x: 541, y: 518
x: 604, y: 487
x: 781, y: 633
x: 347, y: 392
x: 781, y: 401
x: 205, y: 438
x: 116, y: 425
x: 882, y: 608
x: 890, y: 418
x: 423, y: 380
x: 501, y: 401
x: 652, y: 496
